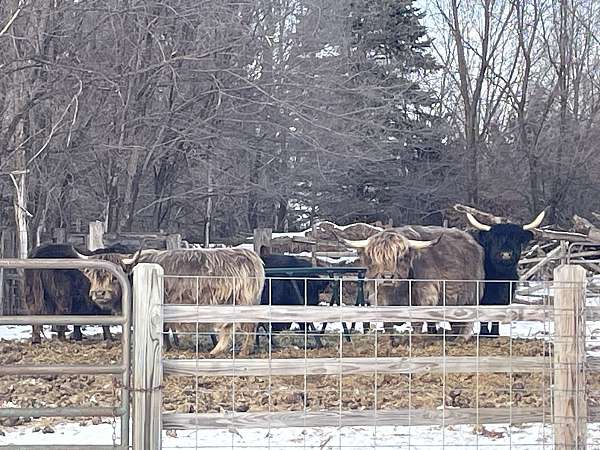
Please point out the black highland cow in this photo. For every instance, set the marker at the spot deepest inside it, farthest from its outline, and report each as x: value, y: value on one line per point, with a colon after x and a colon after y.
x: 502, y: 244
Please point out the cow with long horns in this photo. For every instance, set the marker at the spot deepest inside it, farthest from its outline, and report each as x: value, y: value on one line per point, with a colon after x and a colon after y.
x: 62, y: 291
x: 427, y: 253
x: 502, y: 244
x: 204, y: 276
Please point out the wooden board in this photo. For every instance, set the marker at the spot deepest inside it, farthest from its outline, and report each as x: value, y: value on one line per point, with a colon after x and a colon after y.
x: 148, y: 295
x: 569, y: 390
x: 258, y: 314
x: 414, y: 417
x: 353, y: 366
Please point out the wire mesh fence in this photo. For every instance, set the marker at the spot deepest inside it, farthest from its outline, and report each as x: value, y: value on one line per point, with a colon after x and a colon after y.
x: 398, y: 375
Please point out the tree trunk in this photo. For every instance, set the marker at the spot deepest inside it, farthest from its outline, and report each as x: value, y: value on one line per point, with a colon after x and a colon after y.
x: 209, y: 205
x: 253, y: 195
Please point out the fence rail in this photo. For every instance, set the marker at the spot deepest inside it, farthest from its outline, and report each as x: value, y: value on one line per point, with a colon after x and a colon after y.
x: 406, y: 417
x: 280, y: 313
x: 353, y: 366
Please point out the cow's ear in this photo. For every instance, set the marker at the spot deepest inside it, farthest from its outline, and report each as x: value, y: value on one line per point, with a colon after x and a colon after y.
x: 482, y: 237
x: 127, y: 267
x: 526, y: 236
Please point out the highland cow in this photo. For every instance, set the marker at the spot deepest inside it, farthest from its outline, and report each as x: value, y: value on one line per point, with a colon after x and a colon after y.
x: 426, y: 255
x: 208, y: 277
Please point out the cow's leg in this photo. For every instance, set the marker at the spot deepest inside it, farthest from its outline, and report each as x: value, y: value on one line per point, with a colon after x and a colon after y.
x: 495, y: 329
x: 461, y: 330
x: 62, y: 332
x: 225, y: 336
x: 483, y: 329
x: 390, y: 333
x: 77, y: 336
x: 346, y: 332
x: 311, y: 328
x: 273, y: 342
x: 250, y: 330
x: 256, y: 338
x: 106, y: 333
x: 175, y: 336
x: 166, y: 340
x: 36, y: 331
x: 431, y: 328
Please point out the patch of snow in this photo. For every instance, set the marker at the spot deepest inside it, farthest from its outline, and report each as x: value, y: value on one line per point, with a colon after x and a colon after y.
x: 327, y: 259
x: 21, y: 332
x: 533, y: 436
x: 246, y: 246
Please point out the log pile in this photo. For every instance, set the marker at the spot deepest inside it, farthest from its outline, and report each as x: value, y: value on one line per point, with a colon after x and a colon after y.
x: 550, y: 247
x: 322, y: 238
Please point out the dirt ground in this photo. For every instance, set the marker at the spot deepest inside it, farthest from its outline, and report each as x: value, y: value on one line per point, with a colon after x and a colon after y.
x: 289, y: 393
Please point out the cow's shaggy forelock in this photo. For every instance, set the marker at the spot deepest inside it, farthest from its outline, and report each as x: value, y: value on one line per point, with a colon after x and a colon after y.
x: 387, y: 253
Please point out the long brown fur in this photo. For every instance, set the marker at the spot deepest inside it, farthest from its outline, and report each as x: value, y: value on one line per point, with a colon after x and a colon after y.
x: 456, y: 256
x: 217, y: 276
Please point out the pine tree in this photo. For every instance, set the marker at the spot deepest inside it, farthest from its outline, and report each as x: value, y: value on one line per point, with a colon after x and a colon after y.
x: 394, y: 156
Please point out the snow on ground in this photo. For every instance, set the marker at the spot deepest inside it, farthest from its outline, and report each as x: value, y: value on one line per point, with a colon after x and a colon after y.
x: 526, y: 436
x: 18, y: 332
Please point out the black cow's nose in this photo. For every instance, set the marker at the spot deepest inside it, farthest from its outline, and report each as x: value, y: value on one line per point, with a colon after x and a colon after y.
x: 99, y: 294
x: 506, y: 255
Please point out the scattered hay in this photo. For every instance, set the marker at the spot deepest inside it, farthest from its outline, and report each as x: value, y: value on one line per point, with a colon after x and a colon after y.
x: 287, y: 393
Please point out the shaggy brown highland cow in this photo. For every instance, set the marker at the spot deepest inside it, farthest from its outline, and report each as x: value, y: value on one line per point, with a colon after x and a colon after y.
x: 426, y: 253
x: 196, y: 276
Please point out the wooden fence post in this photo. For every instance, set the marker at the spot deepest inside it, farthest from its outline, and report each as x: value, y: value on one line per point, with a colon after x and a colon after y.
x: 2, y: 307
x: 148, y: 294
x: 569, y: 394
x: 173, y: 241
x: 59, y: 235
x: 262, y: 241
x: 96, y: 235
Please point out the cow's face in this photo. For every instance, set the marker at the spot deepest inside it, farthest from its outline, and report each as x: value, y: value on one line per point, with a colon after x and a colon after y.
x: 383, y: 260
x: 503, y: 244
x: 389, y: 254
x: 105, y: 289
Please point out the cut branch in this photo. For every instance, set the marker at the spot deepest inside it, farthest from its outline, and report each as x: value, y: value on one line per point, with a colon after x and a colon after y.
x: 486, y: 217
x: 586, y: 227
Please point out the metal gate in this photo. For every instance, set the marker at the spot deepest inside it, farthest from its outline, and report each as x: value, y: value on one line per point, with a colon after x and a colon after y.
x: 122, y: 369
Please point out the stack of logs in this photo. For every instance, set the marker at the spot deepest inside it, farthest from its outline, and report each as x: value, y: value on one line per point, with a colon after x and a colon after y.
x: 551, y: 247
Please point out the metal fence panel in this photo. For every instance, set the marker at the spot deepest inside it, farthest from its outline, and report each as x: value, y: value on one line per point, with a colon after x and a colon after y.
x: 57, y: 369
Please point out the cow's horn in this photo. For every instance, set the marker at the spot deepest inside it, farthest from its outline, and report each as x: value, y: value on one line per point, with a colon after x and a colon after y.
x: 536, y: 222
x: 81, y: 255
x: 477, y: 224
x: 127, y: 261
x: 354, y: 244
x: 349, y: 243
x: 420, y: 245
